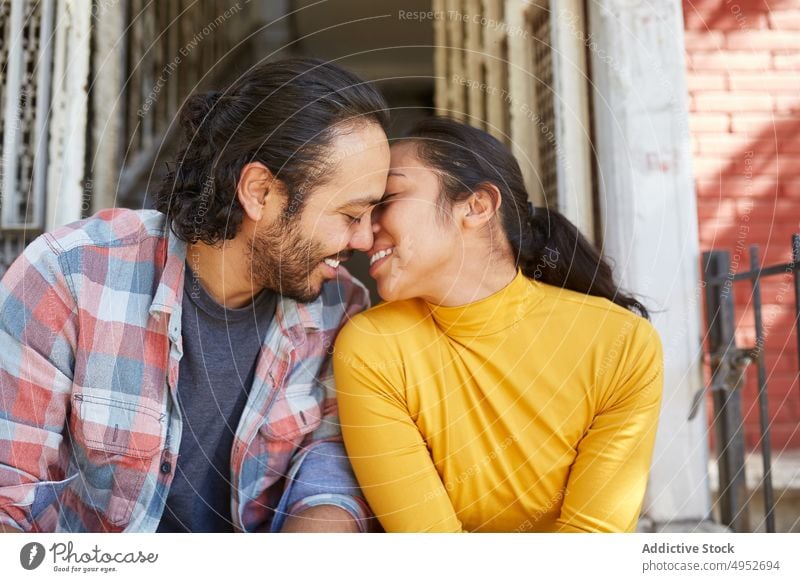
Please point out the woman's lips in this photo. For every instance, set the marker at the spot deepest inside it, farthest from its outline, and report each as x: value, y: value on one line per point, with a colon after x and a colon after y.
x: 378, y: 255
x: 377, y: 258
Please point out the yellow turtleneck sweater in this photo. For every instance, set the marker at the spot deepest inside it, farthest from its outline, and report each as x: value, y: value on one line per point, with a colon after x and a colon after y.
x: 534, y: 409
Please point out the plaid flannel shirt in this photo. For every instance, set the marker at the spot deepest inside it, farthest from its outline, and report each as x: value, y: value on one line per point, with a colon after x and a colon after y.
x: 90, y: 345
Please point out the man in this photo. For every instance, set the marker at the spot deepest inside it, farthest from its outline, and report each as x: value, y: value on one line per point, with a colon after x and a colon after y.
x: 169, y: 369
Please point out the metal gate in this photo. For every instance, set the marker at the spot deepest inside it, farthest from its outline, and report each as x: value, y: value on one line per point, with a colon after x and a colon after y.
x: 729, y: 363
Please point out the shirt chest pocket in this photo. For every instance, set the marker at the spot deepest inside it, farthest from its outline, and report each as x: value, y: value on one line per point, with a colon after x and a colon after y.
x: 116, y: 439
x: 296, y: 411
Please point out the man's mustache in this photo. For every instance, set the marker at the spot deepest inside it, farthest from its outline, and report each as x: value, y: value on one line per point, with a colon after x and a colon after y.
x: 341, y: 256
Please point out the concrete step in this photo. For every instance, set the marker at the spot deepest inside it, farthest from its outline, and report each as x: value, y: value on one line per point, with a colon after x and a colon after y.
x: 785, y: 471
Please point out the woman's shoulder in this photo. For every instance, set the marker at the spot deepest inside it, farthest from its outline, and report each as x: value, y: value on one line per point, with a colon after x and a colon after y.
x: 385, y: 324
x: 597, y: 314
x: 622, y: 350
x: 598, y: 321
x: 394, y: 315
x: 567, y: 301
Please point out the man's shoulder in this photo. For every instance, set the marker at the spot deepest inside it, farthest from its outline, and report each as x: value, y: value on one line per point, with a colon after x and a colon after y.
x: 338, y: 300
x: 63, y: 249
x: 345, y: 289
x: 110, y: 227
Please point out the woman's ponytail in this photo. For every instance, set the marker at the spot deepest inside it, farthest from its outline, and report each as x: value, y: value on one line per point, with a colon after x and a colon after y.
x: 559, y: 255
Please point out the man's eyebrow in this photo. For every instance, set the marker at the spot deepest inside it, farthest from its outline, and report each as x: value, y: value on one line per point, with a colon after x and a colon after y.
x: 362, y: 202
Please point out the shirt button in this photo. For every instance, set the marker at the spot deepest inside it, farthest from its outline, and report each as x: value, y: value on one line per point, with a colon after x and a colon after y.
x: 166, y: 467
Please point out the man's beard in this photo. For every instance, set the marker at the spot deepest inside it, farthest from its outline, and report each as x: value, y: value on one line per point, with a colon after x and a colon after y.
x: 282, y: 260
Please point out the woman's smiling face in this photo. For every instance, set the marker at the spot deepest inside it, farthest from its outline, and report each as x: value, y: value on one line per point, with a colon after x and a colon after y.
x: 416, y: 242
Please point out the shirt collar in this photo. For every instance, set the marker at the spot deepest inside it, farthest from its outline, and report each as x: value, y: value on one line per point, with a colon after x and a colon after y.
x: 171, y: 254
x: 492, y: 314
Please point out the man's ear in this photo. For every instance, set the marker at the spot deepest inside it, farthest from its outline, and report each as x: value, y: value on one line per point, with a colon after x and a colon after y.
x: 482, y: 206
x: 256, y: 184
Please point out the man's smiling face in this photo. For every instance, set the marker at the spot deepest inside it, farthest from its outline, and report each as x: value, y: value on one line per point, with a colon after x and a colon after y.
x: 297, y: 252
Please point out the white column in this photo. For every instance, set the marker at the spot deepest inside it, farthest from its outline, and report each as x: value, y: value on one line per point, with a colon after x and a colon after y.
x: 573, y: 132
x: 69, y: 106
x: 649, y: 221
x: 12, y: 116
x: 524, y: 133
x: 108, y: 101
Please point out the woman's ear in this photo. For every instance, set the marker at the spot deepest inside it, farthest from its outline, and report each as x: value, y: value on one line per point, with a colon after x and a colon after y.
x: 256, y: 184
x: 482, y: 206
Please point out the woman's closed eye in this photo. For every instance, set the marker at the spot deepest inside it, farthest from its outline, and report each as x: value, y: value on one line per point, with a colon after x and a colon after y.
x: 382, y: 205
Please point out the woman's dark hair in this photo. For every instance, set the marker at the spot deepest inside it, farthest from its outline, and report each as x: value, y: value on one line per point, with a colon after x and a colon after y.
x: 546, y: 245
x: 284, y: 114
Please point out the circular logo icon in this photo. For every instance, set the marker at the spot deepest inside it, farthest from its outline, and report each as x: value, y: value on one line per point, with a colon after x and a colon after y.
x: 31, y: 555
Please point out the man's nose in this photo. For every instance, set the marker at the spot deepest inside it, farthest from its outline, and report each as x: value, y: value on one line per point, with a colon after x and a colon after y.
x: 362, y: 237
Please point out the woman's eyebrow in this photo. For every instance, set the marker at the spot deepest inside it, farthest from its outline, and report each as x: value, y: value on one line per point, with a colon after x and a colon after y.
x: 396, y: 173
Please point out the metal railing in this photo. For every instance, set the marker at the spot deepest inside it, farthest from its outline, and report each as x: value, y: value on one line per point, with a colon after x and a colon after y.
x: 729, y: 364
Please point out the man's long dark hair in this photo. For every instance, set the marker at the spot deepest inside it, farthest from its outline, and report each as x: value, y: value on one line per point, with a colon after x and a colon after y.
x: 284, y: 114
x: 547, y: 246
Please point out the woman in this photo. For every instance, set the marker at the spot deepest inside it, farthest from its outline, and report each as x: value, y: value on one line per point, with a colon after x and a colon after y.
x: 506, y: 385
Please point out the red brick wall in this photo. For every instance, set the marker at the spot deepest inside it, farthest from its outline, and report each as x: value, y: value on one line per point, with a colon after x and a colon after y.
x: 743, y: 73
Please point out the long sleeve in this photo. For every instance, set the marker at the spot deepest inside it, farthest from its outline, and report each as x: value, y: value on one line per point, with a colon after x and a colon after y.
x: 38, y: 334
x: 607, y: 480
x: 387, y: 451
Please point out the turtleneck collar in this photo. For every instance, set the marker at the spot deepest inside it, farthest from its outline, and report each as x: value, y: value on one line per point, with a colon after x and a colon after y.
x: 492, y: 314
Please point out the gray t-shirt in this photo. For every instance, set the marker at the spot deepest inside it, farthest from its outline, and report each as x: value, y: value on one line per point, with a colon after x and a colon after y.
x: 220, y: 351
